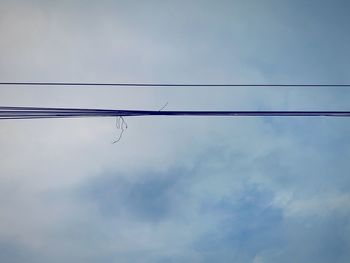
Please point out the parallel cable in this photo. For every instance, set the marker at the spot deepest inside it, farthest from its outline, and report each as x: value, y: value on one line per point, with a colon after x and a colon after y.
x: 163, y: 84
x: 40, y: 113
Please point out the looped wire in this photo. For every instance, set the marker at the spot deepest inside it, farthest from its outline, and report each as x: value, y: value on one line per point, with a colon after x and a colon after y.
x: 121, y: 125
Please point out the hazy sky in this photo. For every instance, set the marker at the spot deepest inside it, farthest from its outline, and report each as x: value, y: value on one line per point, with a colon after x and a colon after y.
x: 176, y: 189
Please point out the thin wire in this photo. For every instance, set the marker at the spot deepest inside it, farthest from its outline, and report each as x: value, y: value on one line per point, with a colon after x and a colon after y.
x: 162, y: 108
x: 163, y: 84
x: 120, y: 124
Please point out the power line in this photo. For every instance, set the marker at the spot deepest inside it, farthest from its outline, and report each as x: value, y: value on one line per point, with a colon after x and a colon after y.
x: 40, y: 113
x: 106, y: 84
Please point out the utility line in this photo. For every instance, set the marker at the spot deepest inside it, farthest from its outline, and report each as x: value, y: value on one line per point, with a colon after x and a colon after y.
x: 162, y: 84
x: 40, y: 113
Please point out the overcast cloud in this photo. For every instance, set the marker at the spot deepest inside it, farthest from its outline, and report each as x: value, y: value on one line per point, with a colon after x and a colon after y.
x: 175, y: 189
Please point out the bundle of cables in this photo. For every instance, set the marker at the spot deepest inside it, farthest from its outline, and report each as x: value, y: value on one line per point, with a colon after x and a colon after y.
x: 10, y: 113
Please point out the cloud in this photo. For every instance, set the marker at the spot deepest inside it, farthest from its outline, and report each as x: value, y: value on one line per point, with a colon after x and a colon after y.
x: 151, y: 197
x: 15, y: 252
x: 188, y: 190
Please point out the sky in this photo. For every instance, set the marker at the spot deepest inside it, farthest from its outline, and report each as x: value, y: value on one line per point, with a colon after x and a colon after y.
x: 176, y: 189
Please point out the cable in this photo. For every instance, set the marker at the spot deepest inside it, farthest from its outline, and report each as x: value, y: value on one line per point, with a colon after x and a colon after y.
x: 40, y: 113
x: 163, y: 84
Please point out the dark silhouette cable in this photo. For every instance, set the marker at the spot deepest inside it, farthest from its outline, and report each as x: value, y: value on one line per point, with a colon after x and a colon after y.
x: 40, y: 113
x: 163, y: 84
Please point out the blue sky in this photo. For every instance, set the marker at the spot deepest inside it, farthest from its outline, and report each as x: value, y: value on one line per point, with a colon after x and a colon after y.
x: 175, y: 189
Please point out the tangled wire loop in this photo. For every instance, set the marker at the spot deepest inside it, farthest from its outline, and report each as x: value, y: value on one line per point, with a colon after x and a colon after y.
x: 122, y: 126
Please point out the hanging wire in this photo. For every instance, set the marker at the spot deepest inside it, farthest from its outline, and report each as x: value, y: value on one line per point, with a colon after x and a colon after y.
x: 121, y: 125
